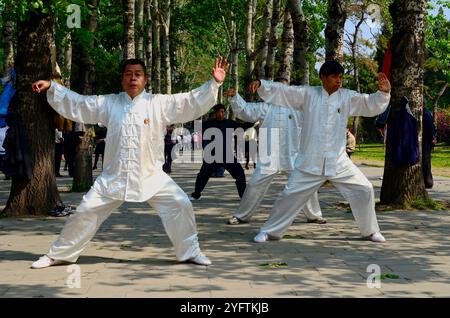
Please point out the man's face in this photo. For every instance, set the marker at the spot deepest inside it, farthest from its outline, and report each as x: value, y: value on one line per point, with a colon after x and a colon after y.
x: 134, y: 79
x: 220, y: 114
x: 331, y: 83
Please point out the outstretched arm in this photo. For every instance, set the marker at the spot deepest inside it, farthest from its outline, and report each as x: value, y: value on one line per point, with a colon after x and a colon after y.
x: 370, y: 105
x: 250, y: 112
x: 76, y: 107
x: 184, y: 107
x: 280, y: 94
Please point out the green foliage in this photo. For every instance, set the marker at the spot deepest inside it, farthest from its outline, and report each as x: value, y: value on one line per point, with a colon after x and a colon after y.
x: 437, y: 56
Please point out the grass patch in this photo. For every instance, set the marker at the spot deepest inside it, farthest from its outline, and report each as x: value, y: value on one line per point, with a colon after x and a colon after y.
x: 388, y: 276
x: 422, y: 203
x: 372, y: 154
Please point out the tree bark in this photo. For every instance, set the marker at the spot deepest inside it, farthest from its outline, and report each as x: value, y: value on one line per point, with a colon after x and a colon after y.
x: 36, y: 59
x: 301, y: 46
x: 128, y: 23
x: 82, y: 178
x: 250, y: 45
x: 8, y: 39
x: 140, y: 29
x: 334, y: 31
x: 165, y: 19
x: 264, y: 41
x: 65, y: 58
x: 402, y: 185
x: 273, y: 40
x: 156, y: 74
x: 287, y: 47
x: 354, y: 49
x: 149, y: 42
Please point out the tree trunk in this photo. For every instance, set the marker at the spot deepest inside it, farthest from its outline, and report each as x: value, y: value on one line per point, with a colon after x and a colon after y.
x: 334, y: 31
x: 250, y: 45
x: 65, y: 58
x: 156, y: 74
x: 234, y: 56
x: 301, y: 46
x: 8, y: 39
x: 165, y: 19
x: 402, y: 185
x: 148, y: 44
x: 273, y: 40
x: 128, y: 23
x: 436, y: 103
x: 354, y: 48
x: 36, y: 59
x: 264, y: 41
x: 287, y: 47
x: 140, y: 29
x: 82, y: 178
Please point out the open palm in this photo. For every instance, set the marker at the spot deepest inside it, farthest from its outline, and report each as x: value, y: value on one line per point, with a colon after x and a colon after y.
x: 219, y: 72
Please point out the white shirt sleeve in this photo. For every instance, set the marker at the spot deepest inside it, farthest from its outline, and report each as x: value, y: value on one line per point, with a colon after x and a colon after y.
x: 250, y: 112
x: 283, y: 95
x: 368, y: 105
x: 184, y: 107
x: 76, y: 107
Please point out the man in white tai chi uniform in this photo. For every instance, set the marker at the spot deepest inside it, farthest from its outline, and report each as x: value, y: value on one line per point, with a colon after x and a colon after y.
x: 283, y: 124
x: 322, y: 154
x: 134, y: 157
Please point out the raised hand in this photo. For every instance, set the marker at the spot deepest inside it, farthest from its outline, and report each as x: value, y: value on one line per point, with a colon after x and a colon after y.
x: 40, y: 86
x: 253, y: 86
x: 383, y: 83
x: 219, y: 72
x: 231, y: 92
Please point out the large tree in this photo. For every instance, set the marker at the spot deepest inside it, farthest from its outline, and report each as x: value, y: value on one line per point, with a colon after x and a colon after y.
x: 128, y: 23
x: 36, y: 59
x: 403, y: 184
x: 334, y: 31
x: 82, y: 178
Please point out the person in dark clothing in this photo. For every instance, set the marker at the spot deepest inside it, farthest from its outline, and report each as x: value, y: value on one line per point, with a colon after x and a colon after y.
x: 428, y: 142
x: 17, y: 160
x: 100, y: 136
x: 169, y: 143
x: 59, y: 141
x: 211, y: 162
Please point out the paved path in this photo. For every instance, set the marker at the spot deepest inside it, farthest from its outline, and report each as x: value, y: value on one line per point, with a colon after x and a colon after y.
x: 132, y: 257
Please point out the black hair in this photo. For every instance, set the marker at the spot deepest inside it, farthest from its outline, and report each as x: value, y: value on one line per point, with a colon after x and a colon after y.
x: 132, y: 62
x: 218, y: 107
x: 281, y: 79
x: 330, y: 68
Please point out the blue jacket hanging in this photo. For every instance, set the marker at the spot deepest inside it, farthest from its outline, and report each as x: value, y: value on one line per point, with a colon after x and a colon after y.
x: 403, y: 137
x: 8, y: 92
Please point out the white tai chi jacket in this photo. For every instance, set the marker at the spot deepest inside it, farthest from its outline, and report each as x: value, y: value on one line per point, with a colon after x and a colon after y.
x: 323, y: 136
x: 278, y: 122
x: 134, y: 154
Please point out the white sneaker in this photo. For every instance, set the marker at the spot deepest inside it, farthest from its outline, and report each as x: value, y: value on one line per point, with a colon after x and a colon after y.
x: 191, y: 198
x: 201, y: 259
x: 45, y: 261
x: 376, y: 237
x: 261, y: 237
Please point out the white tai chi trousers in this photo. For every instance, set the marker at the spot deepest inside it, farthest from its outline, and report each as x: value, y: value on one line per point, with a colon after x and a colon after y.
x: 256, y: 189
x: 352, y: 184
x: 171, y: 203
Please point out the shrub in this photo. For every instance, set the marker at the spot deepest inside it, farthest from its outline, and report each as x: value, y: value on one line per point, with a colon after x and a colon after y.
x: 443, y: 125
